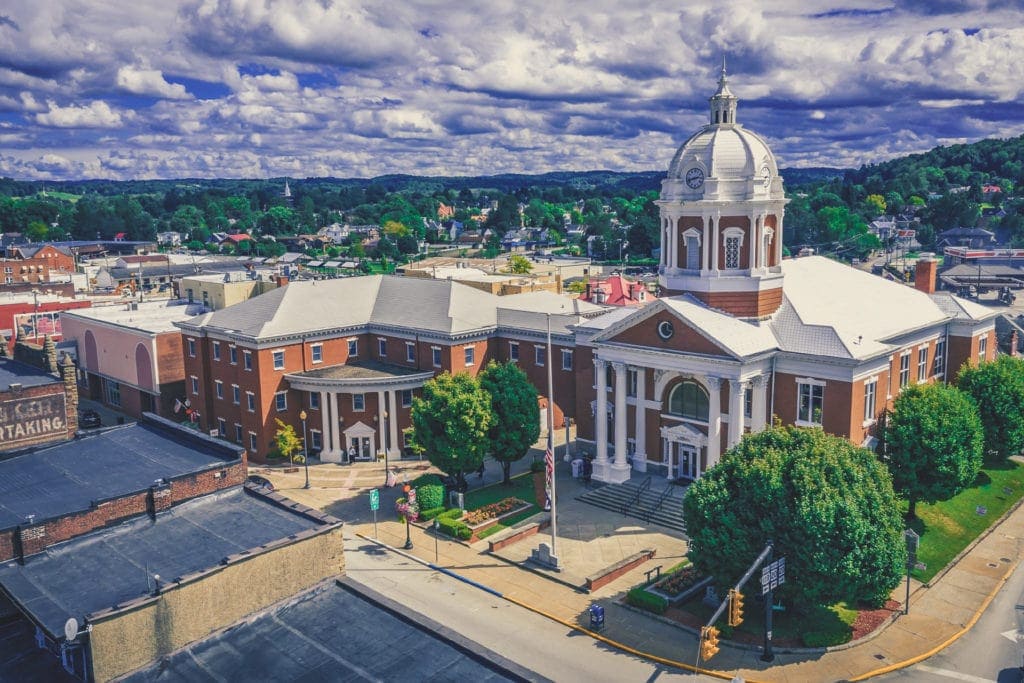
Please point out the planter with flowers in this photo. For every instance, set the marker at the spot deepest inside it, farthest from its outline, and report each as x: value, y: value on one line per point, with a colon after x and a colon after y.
x: 485, y: 517
x: 680, y: 584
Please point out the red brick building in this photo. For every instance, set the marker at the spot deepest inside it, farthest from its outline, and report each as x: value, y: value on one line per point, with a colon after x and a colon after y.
x: 36, y: 264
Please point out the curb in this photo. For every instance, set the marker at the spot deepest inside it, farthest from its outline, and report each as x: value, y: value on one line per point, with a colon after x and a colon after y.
x: 574, y: 626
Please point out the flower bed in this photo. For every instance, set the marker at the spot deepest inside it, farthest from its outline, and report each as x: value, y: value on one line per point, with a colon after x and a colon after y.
x: 680, y: 584
x: 493, y: 511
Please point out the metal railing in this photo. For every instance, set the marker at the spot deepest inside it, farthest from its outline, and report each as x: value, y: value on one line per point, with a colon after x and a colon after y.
x: 644, y: 485
x: 667, y: 493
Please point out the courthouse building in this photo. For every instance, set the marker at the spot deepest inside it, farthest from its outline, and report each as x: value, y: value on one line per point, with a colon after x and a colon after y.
x: 739, y: 336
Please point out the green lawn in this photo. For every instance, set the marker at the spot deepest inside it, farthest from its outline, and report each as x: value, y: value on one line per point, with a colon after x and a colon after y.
x: 820, y: 627
x: 522, y: 488
x: 948, y: 527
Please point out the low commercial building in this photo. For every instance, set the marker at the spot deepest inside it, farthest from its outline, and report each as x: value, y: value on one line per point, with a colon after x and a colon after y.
x: 217, y: 291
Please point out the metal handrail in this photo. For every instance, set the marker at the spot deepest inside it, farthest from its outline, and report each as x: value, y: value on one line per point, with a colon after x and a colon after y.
x: 644, y: 485
x: 667, y: 493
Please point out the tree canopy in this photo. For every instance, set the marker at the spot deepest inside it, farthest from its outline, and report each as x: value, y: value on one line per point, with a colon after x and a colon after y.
x: 451, y: 421
x: 516, y: 413
x: 828, y: 505
x: 997, y: 388
x: 935, y: 444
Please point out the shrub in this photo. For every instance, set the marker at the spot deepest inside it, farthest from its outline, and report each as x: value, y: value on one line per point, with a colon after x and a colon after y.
x: 430, y: 496
x: 465, y: 533
x: 638, y: 597
x: 451, y: 515
x: 425, y: 480
x: 430, y: 513
x: 537, y: 466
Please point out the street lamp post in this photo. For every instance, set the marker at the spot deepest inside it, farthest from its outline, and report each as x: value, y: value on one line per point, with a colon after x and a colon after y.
x: 408, y: 501
x: 305, y: 451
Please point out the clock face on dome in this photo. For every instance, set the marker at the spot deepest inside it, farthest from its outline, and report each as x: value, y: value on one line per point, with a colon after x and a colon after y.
x: 694, y: 178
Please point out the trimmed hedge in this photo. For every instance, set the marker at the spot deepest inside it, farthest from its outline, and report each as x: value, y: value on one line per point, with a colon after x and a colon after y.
x: 426, y: 480
x: 431, y: 513
x: 824, y: 638
x: 638, y: 597
x: 430, y: 496
x: 450, y: 522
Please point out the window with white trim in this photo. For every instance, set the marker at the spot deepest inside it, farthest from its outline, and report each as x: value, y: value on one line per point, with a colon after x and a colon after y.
x: 314, y: 439
x: 195, y: 385
x: 631, y: 382
x: 539, y: 355
x: 748, y: 402
x: 382, y: 348
x: 733, y: 244
x: 219, y: 388
x: 216, y: 350
x: 222, y: 428
x: 233, y: 354
x: 236, y: 394
x: 113, y: 392
x: 692, y: 252
x: 353, y: 347
x: 247, y: 360
x: 192, y: 348
x: 281, y: 401
x: 904, y: 369
x: 870, y: 391
x: 470, y: 352
x: 435, y: 355
x: 279, y: 360
x: 314, y: 401
x: 566, y: 359
x: 317, y: 353
x: 922, y: 364
x: 406, y: 398
x: 238, y: 433
x: 810, y: 402
x: 513, y: 351
x: 250, y: 401
x: 939, y: 362
x: 358, y: 402
x: 252, y: 441
x: 410, y: 352
x: 982, y: 348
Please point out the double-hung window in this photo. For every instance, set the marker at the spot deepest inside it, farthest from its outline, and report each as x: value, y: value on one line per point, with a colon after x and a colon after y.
x: 566, y: 359
x: 922, y: 364
x: 317, y: 353
x: 904, y: 369
x: 810, y: 402
x: 279, y: 360
x: 513, y: 351
x: 870, y: 391
x: 281, y: 401
x: 539, y: 355
x: 470, y: 355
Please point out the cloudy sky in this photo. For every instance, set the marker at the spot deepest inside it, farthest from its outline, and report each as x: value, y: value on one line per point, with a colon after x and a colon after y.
x: 358, y: 88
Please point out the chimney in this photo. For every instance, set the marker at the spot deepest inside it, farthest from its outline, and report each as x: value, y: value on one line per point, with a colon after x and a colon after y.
x: 282, y: 280
x: 924, y: 273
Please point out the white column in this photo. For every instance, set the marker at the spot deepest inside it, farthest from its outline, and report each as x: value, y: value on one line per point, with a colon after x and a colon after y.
x: 393, y: 424
x: 705, y: 246
x: 325, y: 427
x: 675, y: 240
x: 601, y: 415
x: 714, y: 420
x: 641, y: 419
x: 620, y: 414
x: 664, y: 242
x: 754, y: 232
x: 381, y: 441
x: 778, y: 240
x: 759, y: 406
x: 714, y: 244
x: 335, y: 419
x: 737, y: 391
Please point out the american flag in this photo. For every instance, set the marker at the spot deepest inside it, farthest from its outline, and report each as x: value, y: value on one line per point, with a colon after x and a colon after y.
x: 549, y: 471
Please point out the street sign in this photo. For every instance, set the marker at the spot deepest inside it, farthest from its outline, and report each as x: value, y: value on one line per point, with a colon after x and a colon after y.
x: 773, y: 575
x: 374, y: 499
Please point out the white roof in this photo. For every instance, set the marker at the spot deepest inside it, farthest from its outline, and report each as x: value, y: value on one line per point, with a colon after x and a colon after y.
x: 291, y: 256
x: 155, y: 317
x: 332, y: 264
x: 739, y: 337
x: 315, y: 263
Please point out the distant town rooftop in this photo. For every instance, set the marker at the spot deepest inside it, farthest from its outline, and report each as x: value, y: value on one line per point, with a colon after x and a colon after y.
x: 16, y: 372
x: 72, y: 476
x: 116, y: 565
x: 149, y: 316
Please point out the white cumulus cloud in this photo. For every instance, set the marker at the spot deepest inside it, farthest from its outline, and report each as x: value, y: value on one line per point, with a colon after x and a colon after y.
x: 149, y: 82
x: 96, y: 114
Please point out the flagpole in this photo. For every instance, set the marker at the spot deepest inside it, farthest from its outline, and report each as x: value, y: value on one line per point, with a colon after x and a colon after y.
x: 551, y: 443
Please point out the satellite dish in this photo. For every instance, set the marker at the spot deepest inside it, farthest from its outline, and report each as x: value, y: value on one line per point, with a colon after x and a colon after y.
x: 71, y: 628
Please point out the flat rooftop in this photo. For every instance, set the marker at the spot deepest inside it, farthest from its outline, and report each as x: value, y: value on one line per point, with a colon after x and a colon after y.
x: 149, y: 316
x: 335, y: 632
x: 70, y: 476
x: 16, y: 372
x: 114, y: 565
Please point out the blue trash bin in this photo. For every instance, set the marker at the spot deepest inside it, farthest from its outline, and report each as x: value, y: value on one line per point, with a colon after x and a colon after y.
x: 596, y: 617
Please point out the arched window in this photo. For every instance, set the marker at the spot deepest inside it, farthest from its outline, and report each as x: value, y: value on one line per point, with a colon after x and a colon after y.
x: 689, y: 400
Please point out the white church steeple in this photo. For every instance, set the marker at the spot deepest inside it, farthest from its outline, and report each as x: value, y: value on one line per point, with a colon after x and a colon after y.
x: 723, y: 102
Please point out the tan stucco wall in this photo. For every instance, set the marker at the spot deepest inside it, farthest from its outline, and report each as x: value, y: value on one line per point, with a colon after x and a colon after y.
x: 131, y: 638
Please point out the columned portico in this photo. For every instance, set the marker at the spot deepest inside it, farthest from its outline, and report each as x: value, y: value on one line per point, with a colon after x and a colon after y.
x: 640, y: 456
x: 714, y: 385
x: 737, y: 394
x: 619, y: 470
x: 601, y: 420
x: 363, y: 379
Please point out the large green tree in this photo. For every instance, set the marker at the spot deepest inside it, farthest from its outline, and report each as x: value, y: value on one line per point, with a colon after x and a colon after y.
x: 451, y: 421
x: 516, y: 413
x: 935, y: 444
x: 998, y: 389
x: 828, y: 505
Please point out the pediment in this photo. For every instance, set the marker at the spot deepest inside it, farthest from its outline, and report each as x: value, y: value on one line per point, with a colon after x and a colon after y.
x: 664, y: 329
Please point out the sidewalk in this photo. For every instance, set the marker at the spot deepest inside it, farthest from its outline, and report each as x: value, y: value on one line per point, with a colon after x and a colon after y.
x: 937, y: 614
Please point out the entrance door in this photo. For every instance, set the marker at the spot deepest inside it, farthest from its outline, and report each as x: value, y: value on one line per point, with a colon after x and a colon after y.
x: 687, y: 462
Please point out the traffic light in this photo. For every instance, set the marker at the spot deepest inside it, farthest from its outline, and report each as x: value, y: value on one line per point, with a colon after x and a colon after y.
x: 735, y: 607
x: 708, y: 642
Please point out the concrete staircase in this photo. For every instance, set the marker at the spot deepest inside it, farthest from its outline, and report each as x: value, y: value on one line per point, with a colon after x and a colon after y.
x: 656, y: 504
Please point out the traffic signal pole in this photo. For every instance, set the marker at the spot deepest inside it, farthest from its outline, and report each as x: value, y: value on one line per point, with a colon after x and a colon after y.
x: 709, y: 632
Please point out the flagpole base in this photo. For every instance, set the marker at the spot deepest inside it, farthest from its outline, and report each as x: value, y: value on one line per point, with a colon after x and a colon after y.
x: 545, y: 558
